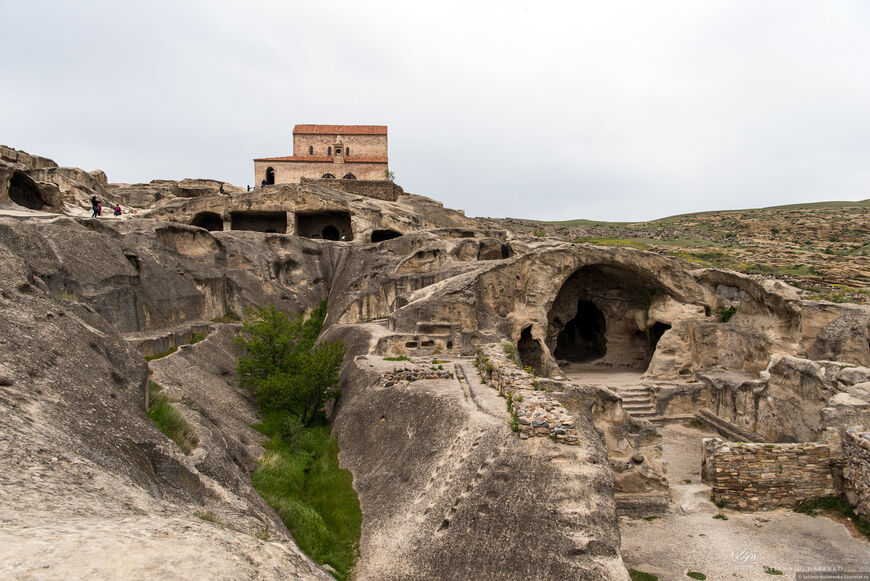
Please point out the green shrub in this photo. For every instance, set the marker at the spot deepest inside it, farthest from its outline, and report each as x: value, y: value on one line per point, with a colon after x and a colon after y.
x: 696, y: 575
x: 726, y: 314
x: 399, y: 358
x: 772, y: 571
x: 169, y: 420
x: 197, y: 337
x: 299, y: 474
x: 539, y: 232
x: 641, y: 576
x: 720, y: 516
x: 281, y: 364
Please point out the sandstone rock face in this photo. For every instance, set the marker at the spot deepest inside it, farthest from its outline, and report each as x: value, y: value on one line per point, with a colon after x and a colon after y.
x: 147, y: 195
x: 446, y: 488
x: 94, y: 478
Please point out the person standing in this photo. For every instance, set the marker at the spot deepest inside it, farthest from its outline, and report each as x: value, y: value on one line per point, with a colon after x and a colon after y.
x: 95, y: 206
x: 117, y: 209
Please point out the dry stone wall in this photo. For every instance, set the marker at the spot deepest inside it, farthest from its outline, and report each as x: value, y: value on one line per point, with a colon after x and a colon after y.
x: 856, y: 470
x: 766, y: 476
x: 378, y: 189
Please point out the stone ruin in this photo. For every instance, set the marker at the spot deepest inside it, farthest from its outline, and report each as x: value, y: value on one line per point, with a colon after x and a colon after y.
x: 511, y: 442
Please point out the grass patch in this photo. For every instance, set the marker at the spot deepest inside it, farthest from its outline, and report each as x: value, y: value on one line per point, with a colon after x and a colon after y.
x: 169, y: 420
x: 772, y: 571
x: 641, y: 576
x: 539, y: 233
x: 696, y: 575
x: 301, y: 480
x: 510, y: 350
x: 228, y: 317
x: 650, y: 518
x: 836, y: 505
x: 169, y: 351
x: 623, y: 242
x: 720, y: 516
x: 208, y: 516
x: 197, y: 337
x: 399, y: 358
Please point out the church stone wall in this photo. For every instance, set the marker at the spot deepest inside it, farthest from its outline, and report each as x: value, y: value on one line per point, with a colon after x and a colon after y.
x: 378, y: 189
x: 360, y: 145
x: 293, y: 172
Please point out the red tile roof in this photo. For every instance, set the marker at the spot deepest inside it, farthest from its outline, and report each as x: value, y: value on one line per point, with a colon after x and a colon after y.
x: 340, y: 130
x: 324, y: 159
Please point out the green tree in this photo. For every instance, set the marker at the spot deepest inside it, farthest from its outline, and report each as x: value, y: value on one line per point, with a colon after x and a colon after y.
x: 282, y: 366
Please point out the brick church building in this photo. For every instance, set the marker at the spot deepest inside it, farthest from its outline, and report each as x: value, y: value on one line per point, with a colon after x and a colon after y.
x: 342, y: 152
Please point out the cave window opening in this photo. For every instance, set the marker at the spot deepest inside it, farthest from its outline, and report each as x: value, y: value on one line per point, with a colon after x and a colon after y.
x: 381, y: 235
x: 24, y: 192
x: 211, y: 221
x: 330, y: 233
x: 655, y: 333
x: 583, y: 338
x: 529, y: 350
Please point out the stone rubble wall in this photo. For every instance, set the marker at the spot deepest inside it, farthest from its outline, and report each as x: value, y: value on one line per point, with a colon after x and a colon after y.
x: 536, y: 412
x: 378, y: 189
x: 416, y: 373
x: 766, y: 476
x: 856, y: 470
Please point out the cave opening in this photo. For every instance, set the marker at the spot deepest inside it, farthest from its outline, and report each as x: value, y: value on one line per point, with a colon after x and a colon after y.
x: 330, y: 232
x: 24, y: 192
x: 381, y: 235
x: 530, y: 350
x: 596, y: 318
x: 655, y: 333
x: 211, y: 221
x: 584, y: 337
x: 333, y: 225
x: 259, y: 221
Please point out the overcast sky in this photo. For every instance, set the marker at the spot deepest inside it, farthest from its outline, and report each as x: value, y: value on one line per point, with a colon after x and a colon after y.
x: 620, y: 110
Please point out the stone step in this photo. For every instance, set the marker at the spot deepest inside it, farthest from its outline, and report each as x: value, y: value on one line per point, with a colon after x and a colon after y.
x: 644, y: 397
x: 637, y: 404
x: 643, y: 415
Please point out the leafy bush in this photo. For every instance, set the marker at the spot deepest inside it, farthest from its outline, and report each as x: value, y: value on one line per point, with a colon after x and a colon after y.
x: 539, y: 233
x: 726, y: 314
x: 399, y: 358
x: 283, y: 367
x: 510, y: 350
x: 696, y: 575
x: 641, y: 576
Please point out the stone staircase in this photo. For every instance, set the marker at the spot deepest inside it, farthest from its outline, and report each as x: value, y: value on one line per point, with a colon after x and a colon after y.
x: 637, y: 401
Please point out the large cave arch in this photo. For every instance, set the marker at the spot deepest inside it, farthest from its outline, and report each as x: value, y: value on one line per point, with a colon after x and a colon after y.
x: 598, y: 317
x: 209, y: 220
x: 24, y: 191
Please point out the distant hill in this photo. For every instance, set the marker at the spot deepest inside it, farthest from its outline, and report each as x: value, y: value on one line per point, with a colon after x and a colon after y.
x: 822, y: 247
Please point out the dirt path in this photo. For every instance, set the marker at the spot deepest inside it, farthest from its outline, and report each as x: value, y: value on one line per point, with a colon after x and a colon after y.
x: 688, y: 538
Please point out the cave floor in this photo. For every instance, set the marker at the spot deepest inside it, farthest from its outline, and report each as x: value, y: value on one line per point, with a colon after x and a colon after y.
x: 688, y: 538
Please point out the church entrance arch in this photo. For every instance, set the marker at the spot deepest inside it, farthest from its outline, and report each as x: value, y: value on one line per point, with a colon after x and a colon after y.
x: 270, y: 176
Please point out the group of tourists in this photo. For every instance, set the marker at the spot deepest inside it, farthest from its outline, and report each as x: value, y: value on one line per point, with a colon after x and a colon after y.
x: 97, y: 207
